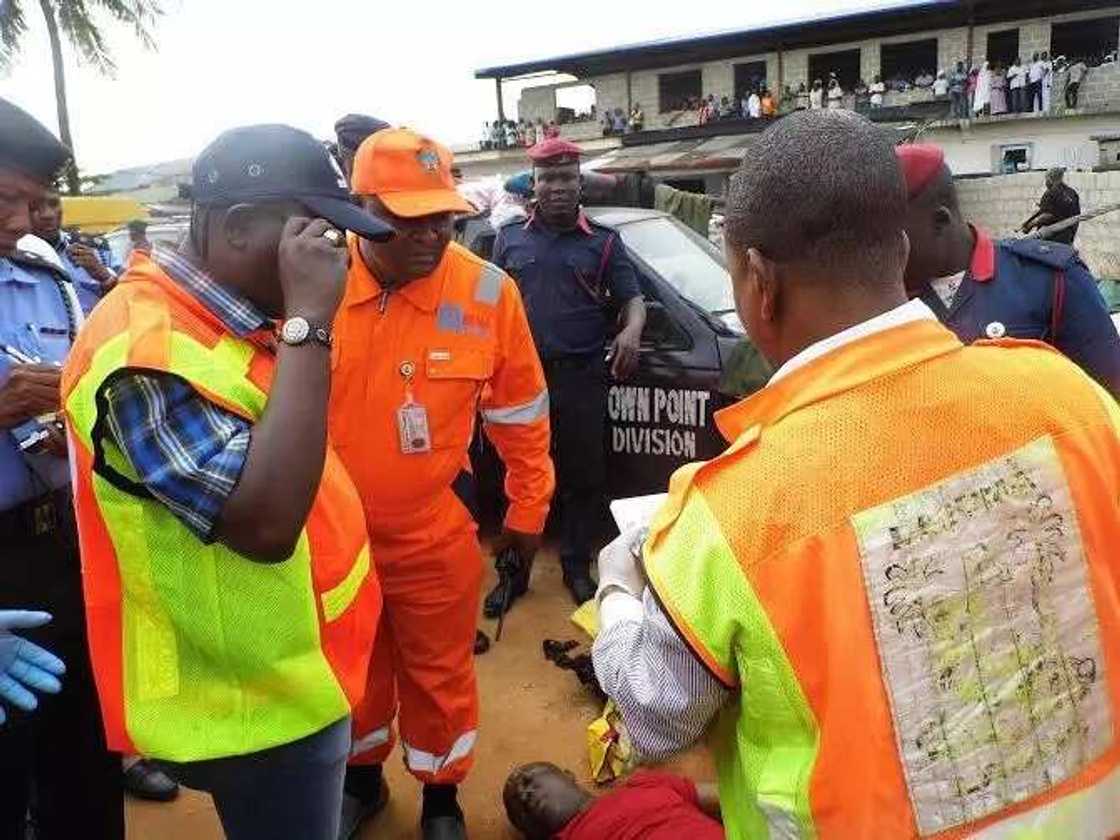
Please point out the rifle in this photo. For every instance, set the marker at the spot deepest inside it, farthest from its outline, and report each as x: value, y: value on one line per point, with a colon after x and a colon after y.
x: 508, y: 564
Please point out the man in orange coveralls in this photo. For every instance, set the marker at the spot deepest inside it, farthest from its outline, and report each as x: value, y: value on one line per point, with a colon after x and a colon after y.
x: 427, y: 336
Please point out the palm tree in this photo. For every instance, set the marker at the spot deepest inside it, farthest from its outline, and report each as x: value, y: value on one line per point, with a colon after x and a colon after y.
x: 76, y: 20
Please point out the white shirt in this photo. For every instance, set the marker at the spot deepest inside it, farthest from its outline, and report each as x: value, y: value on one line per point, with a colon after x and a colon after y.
x: 754, y: 106
x: 1077, y: 72
x: 816, y: 97
x: 1038, y: 70
x: 907, y: 313
x: 1017, y: 76
x: 947, y: 287
x: 877, y: 90
x: 666, y: 697
x: 940, y: 86
x: 40, y: 248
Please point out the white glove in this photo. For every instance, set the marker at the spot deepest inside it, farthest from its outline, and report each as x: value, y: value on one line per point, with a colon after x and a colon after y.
x: 620, y: 564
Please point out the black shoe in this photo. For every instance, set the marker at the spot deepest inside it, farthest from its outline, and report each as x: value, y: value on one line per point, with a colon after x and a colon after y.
x: 444, y: 828
x: 481, y: 643
x: 577, y: 578
x: 492, y: 606
x: 146, y: 781
x: 355, y: 812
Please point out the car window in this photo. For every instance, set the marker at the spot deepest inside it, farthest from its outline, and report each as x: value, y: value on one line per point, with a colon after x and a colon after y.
x: 169, y: 235
x: 684, y: 260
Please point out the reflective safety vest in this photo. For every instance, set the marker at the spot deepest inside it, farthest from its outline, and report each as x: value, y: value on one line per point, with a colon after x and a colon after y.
x: 904, y: 568
x: 198, y: 651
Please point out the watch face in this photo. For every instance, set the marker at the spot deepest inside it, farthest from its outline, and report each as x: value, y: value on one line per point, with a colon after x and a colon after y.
x: 295, y: 331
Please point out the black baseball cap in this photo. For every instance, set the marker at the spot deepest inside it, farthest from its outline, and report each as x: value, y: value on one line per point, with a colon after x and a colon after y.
x: 279, y: 163
x: 352, y: 129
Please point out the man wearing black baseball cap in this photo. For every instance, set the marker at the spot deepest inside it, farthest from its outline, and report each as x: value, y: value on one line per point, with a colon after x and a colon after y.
x: 221, y: 535
x: 350, y: 131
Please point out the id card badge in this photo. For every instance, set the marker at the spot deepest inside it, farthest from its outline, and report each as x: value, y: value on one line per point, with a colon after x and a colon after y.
x: 412, y: 423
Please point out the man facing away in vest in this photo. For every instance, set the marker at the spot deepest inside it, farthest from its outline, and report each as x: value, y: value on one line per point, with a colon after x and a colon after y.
x: 230, y: 599
x: 894, y: 595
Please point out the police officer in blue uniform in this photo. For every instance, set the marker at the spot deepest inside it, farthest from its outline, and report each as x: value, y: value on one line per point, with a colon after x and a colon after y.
x: 577, y: 281
x: 53, y: 764
x: 1018, y: 288
x: 91, y: 266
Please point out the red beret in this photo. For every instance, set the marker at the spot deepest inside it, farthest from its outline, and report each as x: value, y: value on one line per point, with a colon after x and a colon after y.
x: 555, y: 151
x: 921, y: 163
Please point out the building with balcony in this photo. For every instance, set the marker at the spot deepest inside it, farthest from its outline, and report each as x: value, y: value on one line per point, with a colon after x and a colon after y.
x: 898, y: 43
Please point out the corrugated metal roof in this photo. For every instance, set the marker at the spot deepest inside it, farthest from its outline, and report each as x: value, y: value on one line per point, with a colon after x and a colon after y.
x: 719, y: 154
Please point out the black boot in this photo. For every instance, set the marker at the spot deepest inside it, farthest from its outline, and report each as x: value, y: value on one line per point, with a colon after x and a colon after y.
x: 492, y: 606
x: 442, y: 818
x: 365, y: 795
x: 577, y: 577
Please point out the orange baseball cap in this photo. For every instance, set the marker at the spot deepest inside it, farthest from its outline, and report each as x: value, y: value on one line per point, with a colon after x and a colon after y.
x: 410, y: 173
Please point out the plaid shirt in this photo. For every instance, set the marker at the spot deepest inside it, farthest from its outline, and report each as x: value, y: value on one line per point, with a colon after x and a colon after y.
x: 187, y: 451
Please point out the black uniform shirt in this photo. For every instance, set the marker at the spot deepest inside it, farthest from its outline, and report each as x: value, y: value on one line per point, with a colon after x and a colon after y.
x: 566, y: 278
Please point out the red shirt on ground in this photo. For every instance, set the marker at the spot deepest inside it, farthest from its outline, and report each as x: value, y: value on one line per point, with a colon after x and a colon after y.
x: 648, y: 806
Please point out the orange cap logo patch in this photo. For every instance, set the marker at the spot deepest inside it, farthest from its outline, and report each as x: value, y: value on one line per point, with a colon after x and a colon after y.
x: 429, y: 159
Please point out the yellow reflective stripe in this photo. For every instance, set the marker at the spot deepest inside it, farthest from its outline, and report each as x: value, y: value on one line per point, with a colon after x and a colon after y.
x: 336, y: 600
x: 223, y: 369
x: 685, y: 564
x: 766, y: 743
x: 81, y: 405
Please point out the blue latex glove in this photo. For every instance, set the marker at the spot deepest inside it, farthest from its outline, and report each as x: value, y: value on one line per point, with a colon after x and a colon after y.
x: 23, y: 664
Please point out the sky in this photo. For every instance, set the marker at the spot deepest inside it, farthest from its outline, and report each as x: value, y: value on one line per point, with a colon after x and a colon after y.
x: 222, y: 63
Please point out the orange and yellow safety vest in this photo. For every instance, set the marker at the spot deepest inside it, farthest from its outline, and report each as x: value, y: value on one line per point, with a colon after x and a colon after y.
x: 904, y: 567
x: 199, y: 652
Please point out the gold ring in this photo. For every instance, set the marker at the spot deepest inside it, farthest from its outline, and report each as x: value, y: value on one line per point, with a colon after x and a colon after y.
x: 333, y: 236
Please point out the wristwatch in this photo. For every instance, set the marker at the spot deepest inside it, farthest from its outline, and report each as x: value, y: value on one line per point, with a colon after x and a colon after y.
x: 296, y: 331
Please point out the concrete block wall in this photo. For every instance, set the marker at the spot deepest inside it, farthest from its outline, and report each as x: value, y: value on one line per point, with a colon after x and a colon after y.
x: 1001, y: 203
x: 1034, y: 34
x: 1034, y: 37
x: 537, y: 103
x: 610, y: 92
x: 952, y: 46
x: 718, y: 79
x: 1100, y: 89
x: 795, y: 68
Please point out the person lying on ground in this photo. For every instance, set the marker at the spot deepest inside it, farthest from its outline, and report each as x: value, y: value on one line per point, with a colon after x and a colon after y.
x: 543, y: 801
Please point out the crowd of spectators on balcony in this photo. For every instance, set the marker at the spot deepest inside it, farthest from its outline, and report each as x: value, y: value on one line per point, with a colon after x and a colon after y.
x: 507, y: 134
x: 1039, y: 84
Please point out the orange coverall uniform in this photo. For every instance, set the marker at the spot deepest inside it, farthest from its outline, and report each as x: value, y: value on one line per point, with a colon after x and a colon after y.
x: 455, y: 342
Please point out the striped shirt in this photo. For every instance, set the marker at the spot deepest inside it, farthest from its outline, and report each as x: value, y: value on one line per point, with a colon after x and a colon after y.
x: 188, y: 452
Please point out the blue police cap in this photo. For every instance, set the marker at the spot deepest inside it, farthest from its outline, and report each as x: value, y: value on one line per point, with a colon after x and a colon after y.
x: 26, y: 144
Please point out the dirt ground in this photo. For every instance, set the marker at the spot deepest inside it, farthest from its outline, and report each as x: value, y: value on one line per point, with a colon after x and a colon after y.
x: 531, y: 711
